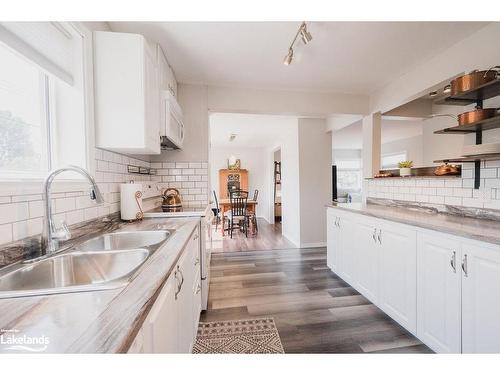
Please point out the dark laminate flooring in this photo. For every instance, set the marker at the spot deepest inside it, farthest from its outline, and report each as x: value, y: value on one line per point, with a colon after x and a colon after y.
x: 268, y: 237
x: 314, y: 310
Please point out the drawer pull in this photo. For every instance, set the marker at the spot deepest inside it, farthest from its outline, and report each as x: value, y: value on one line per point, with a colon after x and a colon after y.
x: 374, y: 234
x: 464, y: 266
x: 195, y: 237
x: 453, y: 262
x: 379, y: 236
x: 197, y: 261
x: 198, y: 289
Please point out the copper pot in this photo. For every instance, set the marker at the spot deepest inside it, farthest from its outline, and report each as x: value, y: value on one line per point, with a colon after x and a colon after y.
x: 447, y: 170
x: 473, y: 79
x: 479, y: 114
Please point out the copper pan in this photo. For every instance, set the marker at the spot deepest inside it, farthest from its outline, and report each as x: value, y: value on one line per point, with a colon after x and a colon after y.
x: 478, y: 114
x: 473, y: 79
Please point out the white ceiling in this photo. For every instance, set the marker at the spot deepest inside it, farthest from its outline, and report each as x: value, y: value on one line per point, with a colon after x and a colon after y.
x: 351, y: 137
x: 250, y: 130
x: 350, y: 57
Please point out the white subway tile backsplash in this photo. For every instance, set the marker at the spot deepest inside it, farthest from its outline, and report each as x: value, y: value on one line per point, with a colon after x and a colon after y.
x: 12, y: 212
x: 5, y: 233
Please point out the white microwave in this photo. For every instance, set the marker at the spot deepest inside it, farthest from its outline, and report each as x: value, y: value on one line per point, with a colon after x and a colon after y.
x: 172, y: 125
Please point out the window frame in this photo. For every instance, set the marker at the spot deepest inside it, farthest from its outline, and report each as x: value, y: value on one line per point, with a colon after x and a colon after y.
x: 357, y: 170
x: 30, y: 183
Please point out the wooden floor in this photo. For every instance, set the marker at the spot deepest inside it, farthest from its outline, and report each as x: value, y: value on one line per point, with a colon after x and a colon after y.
x: 268, y: 237
x: 314, y: 310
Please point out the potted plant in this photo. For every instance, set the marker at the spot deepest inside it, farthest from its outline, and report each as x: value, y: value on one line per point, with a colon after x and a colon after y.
x: 405, y: 168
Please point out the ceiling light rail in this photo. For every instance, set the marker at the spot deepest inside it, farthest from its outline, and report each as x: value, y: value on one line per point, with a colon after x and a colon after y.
x: 305, y: 36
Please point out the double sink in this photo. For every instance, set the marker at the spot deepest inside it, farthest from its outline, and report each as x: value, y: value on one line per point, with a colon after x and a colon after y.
x: 105, y: 262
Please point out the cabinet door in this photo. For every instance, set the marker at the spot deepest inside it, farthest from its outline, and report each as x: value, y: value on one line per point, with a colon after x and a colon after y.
x: 160, y: 327
x: 137, y: 346
x: 185, y: 300
x: 366, y: 264
x: 347, y: 253
x: 438, y: 292
x: 398, y: 274
x: 332, y: 241
x: 152, y: 101
x: 480, y: 299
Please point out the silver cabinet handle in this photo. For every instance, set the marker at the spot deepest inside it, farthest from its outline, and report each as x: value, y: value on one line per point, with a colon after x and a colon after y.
x: 197, y: 261
x: 464, y: 266
x: 179, y: 285
x: 453, y: 261
x: 374, y: 234
x: 198, y: 289
x: 195, y: 237
x: 379, y: 236
x: 338, y: 222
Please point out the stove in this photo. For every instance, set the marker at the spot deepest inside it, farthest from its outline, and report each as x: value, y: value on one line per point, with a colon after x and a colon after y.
x: 205, y: 215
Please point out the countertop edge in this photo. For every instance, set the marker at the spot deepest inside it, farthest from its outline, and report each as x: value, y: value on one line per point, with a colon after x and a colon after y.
x: 422, y: 224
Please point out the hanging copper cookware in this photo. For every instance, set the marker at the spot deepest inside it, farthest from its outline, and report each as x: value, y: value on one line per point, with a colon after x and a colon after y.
x: 479, y: 114
x: 473, y: 79
x: 448, y: 170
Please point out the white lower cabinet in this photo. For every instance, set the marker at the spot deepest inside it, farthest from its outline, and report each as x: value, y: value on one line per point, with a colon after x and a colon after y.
x: 442, y: 288
x: 397, y: 264
x: 364, y: 260
x: 438, y: 292
x: 172, y: 322
x: 333, y: 241
x: 480, y: 299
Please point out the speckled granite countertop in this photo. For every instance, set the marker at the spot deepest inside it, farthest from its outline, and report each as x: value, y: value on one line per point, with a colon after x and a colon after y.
x: 100, y: 321
x: 468, y: 227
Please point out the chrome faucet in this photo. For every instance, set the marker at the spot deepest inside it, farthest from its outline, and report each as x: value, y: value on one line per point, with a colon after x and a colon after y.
x: 52, y: 235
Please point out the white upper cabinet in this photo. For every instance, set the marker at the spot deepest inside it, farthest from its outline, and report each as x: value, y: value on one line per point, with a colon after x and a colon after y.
x: 480, y: 299
x: 438, y: 292
x: 127, y: 93
x: 166, y: 74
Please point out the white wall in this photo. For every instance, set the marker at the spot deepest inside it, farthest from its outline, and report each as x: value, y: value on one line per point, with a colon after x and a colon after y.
x: 413, y: 147
x: 315, y: 155
x: 290, y: 185
x: 253, y: 159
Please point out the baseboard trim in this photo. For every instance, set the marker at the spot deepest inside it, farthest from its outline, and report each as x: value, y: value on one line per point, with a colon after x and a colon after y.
x: 312, y: 244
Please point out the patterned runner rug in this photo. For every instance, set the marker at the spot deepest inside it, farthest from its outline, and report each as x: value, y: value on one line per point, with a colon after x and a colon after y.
x: 254, y: 336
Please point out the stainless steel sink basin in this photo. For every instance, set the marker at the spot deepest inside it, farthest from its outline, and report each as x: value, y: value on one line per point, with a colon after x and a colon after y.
x: 72, y: 272
x: 105, y: 262
x: 124, y: 240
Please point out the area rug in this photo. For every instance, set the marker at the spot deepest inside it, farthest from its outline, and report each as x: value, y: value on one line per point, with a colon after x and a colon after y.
x: 254, y: 336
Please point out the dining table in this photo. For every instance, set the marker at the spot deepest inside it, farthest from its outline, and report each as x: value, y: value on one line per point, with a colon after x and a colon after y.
x: 225, y: 205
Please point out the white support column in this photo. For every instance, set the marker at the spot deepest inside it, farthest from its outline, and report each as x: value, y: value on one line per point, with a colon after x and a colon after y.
x: 371, y: 148
x: 371, y: 144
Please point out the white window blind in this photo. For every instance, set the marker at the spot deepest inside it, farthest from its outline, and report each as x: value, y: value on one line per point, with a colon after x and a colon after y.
x: 49, y: 44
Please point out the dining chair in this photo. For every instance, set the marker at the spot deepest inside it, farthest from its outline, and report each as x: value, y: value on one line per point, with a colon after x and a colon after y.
x: 216, y: 211
x: 238, y: 202
x: 252, y: 216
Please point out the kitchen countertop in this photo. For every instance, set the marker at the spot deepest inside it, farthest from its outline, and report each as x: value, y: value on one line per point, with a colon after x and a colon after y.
x: 99, y: 321
x: 468, y: 227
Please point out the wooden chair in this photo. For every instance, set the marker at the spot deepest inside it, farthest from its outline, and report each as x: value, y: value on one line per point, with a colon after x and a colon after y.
x: 252, y: 216
x: 238, y: 201
x: 216, y: 211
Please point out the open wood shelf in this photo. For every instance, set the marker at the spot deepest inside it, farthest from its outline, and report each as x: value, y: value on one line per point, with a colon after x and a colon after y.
x: 483, y: 92
x: 416, y: 172
x: 488, y: 124
x: 470, y: 159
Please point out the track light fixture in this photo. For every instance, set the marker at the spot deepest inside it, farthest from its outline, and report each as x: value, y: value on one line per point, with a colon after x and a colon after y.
x: 306, y: 38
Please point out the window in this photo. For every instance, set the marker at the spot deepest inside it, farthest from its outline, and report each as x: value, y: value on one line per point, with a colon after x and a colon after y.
x: 23, y: 116
x: 390, y: 161
x: 349, y: 175
x: 42, y: 111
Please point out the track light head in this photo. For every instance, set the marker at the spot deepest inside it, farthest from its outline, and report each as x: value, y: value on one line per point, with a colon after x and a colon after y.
x: 304, y: 34
x: 289, y: 57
